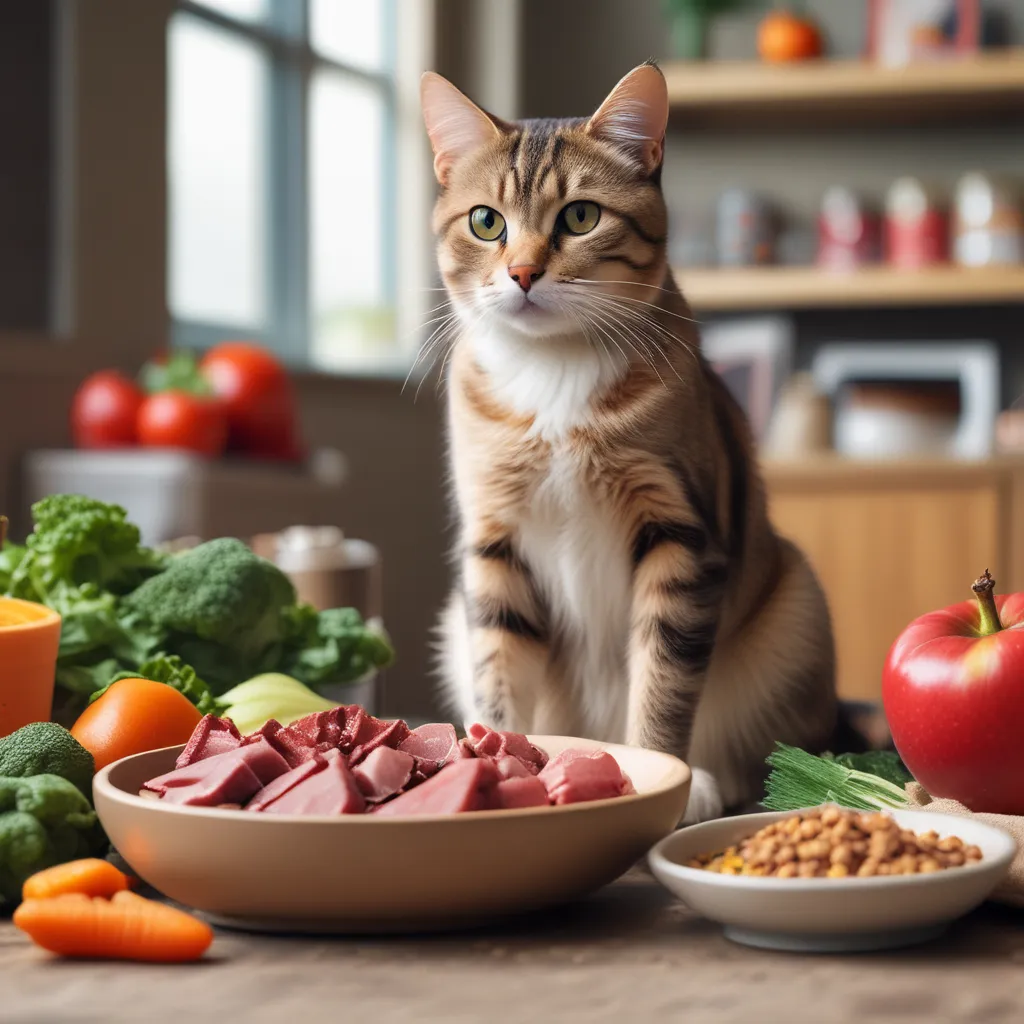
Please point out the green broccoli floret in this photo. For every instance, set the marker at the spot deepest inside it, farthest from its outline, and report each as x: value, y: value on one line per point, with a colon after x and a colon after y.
x: 78, y: 541
x: 332, y: 646
x: 44, y: 820
x: 45, y: 748
x: 223, y: 610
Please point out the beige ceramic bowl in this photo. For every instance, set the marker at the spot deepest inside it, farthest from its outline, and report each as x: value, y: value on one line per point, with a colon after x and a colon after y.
x: 831, y: 914
x: 364, y: 873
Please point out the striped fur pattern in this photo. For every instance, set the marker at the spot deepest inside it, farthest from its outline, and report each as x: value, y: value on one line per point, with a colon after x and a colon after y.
x: 618, y: 576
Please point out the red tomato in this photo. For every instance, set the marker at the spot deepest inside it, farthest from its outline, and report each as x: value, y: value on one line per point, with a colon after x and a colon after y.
x: 105, y: 410
x: 257, y: 396
x: 180, y: 419
x: 955, y: 703
x: 132, y: 716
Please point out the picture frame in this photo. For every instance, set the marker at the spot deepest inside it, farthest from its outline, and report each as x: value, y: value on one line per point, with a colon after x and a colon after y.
x: 754, y: 357
x: 903, y: 31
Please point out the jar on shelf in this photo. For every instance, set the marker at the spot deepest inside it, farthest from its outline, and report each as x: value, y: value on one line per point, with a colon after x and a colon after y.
x: 849, y: 231
x: 744, y: 229
x: 987, y: 223
x: 916, y: 225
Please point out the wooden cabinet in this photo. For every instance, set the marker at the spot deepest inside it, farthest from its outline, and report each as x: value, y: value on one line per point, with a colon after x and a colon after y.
x: 890, y: 542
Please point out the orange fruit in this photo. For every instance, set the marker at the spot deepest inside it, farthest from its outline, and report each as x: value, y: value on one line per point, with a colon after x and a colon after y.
x: 782, y: 37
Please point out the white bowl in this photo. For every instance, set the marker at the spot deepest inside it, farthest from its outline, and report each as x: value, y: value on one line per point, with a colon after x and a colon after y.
x: 831, y: 914
x: 362, y: 873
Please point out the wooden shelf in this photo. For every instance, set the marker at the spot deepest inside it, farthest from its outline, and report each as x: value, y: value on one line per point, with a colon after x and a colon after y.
x: 715, y: 91
x: 768, y: 288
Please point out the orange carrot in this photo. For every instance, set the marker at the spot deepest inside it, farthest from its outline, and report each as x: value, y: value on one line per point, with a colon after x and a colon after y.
x: 125, y: 927
x: 91, y: 877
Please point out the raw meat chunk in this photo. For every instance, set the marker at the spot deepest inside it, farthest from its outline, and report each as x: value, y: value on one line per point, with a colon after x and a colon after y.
x: 332, y: 790
x: 386, y: 772
x: 510, y: 767
x: 383, y: 773
x: 284, y: 783
x: 327, y: 730
x: 260, y: 757
x: 292, y: 746
x: 374, y: 733
x: 486, y: 742
x: 211, y: 736
x: 463, y: 786
x: 519, y: 746
x: 232, y: 781
x: 577, y: 776
x: 522, y: 791
x: 436, y: 742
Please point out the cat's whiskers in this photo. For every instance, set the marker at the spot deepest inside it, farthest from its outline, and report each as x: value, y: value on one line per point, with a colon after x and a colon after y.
x: 442, y: 380
x: 611, y: 326
x: 638, y: 323
x: 630, y: 298
x: 436, y: 337
x: 582, y: 325
x: 644, y: 317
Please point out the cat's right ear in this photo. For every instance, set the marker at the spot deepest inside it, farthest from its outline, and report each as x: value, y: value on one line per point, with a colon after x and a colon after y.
x: 455, y: 124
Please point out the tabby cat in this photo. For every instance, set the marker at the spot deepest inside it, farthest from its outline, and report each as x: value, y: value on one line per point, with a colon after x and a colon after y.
x: 618, y: 575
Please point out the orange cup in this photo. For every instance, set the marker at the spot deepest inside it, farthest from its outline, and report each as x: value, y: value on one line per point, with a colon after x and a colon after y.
x: 29, y: 637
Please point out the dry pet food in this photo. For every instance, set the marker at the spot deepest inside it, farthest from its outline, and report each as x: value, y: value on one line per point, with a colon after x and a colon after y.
x: 829, y: 842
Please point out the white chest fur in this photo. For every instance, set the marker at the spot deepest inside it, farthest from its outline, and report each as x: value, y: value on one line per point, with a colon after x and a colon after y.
x: 580, y: 561
x: 578, y: 554
x: 553, y: 380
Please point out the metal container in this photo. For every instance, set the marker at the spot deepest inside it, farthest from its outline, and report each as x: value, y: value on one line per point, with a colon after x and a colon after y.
x: 744, y: 229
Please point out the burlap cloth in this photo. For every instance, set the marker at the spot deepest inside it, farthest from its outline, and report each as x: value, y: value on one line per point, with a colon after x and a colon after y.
x: 1011, y: 889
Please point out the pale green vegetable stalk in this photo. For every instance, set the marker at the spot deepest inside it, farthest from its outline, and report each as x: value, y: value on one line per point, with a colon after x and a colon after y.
x: 799, y: 779
x: 272, y: 695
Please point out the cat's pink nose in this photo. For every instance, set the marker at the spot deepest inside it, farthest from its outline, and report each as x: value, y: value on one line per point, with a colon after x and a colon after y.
x: 525, y: 274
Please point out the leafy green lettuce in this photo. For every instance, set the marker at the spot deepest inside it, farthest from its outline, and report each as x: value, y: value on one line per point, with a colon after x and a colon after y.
x: 201, y: 620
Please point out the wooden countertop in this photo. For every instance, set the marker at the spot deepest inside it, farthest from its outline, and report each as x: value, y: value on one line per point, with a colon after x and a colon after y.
x: 630, y: 953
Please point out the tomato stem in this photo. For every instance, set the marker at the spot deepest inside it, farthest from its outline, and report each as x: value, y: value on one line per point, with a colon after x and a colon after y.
x: 984, y: 589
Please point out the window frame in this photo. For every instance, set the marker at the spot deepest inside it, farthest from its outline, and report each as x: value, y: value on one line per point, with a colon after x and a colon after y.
x: 283, y: 35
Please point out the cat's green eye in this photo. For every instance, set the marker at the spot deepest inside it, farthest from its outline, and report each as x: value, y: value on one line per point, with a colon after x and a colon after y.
x: 581, y: 217
x: 486, y: 223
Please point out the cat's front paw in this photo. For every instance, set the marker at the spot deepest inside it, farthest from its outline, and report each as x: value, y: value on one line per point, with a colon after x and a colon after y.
x: 705, y: 800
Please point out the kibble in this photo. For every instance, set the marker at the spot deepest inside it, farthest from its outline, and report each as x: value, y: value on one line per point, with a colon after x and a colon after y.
x: 830, y: 842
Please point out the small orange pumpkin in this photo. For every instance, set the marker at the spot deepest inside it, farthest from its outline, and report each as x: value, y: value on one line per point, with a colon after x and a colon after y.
x: 783, y: 36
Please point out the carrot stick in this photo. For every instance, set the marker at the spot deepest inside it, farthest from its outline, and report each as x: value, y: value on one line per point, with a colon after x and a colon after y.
x: 125, y: 927
x: 91, y: 877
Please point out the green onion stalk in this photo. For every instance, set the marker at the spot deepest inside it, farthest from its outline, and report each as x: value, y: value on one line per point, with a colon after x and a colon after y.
x: 799, y: 779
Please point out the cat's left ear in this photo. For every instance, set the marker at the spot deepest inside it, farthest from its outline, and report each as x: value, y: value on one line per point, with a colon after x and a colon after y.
x: 635, y: 115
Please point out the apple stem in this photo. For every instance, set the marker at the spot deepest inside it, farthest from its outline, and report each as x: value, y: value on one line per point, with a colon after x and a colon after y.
x: 984, y: 589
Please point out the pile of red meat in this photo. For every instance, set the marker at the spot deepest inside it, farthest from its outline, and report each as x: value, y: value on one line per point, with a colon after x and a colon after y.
x: 345, y: 761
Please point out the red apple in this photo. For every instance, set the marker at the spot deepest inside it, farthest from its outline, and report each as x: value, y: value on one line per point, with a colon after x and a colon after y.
x: 953, y: 689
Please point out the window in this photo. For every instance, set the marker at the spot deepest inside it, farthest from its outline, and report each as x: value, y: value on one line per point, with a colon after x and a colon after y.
x: 286, y: 130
